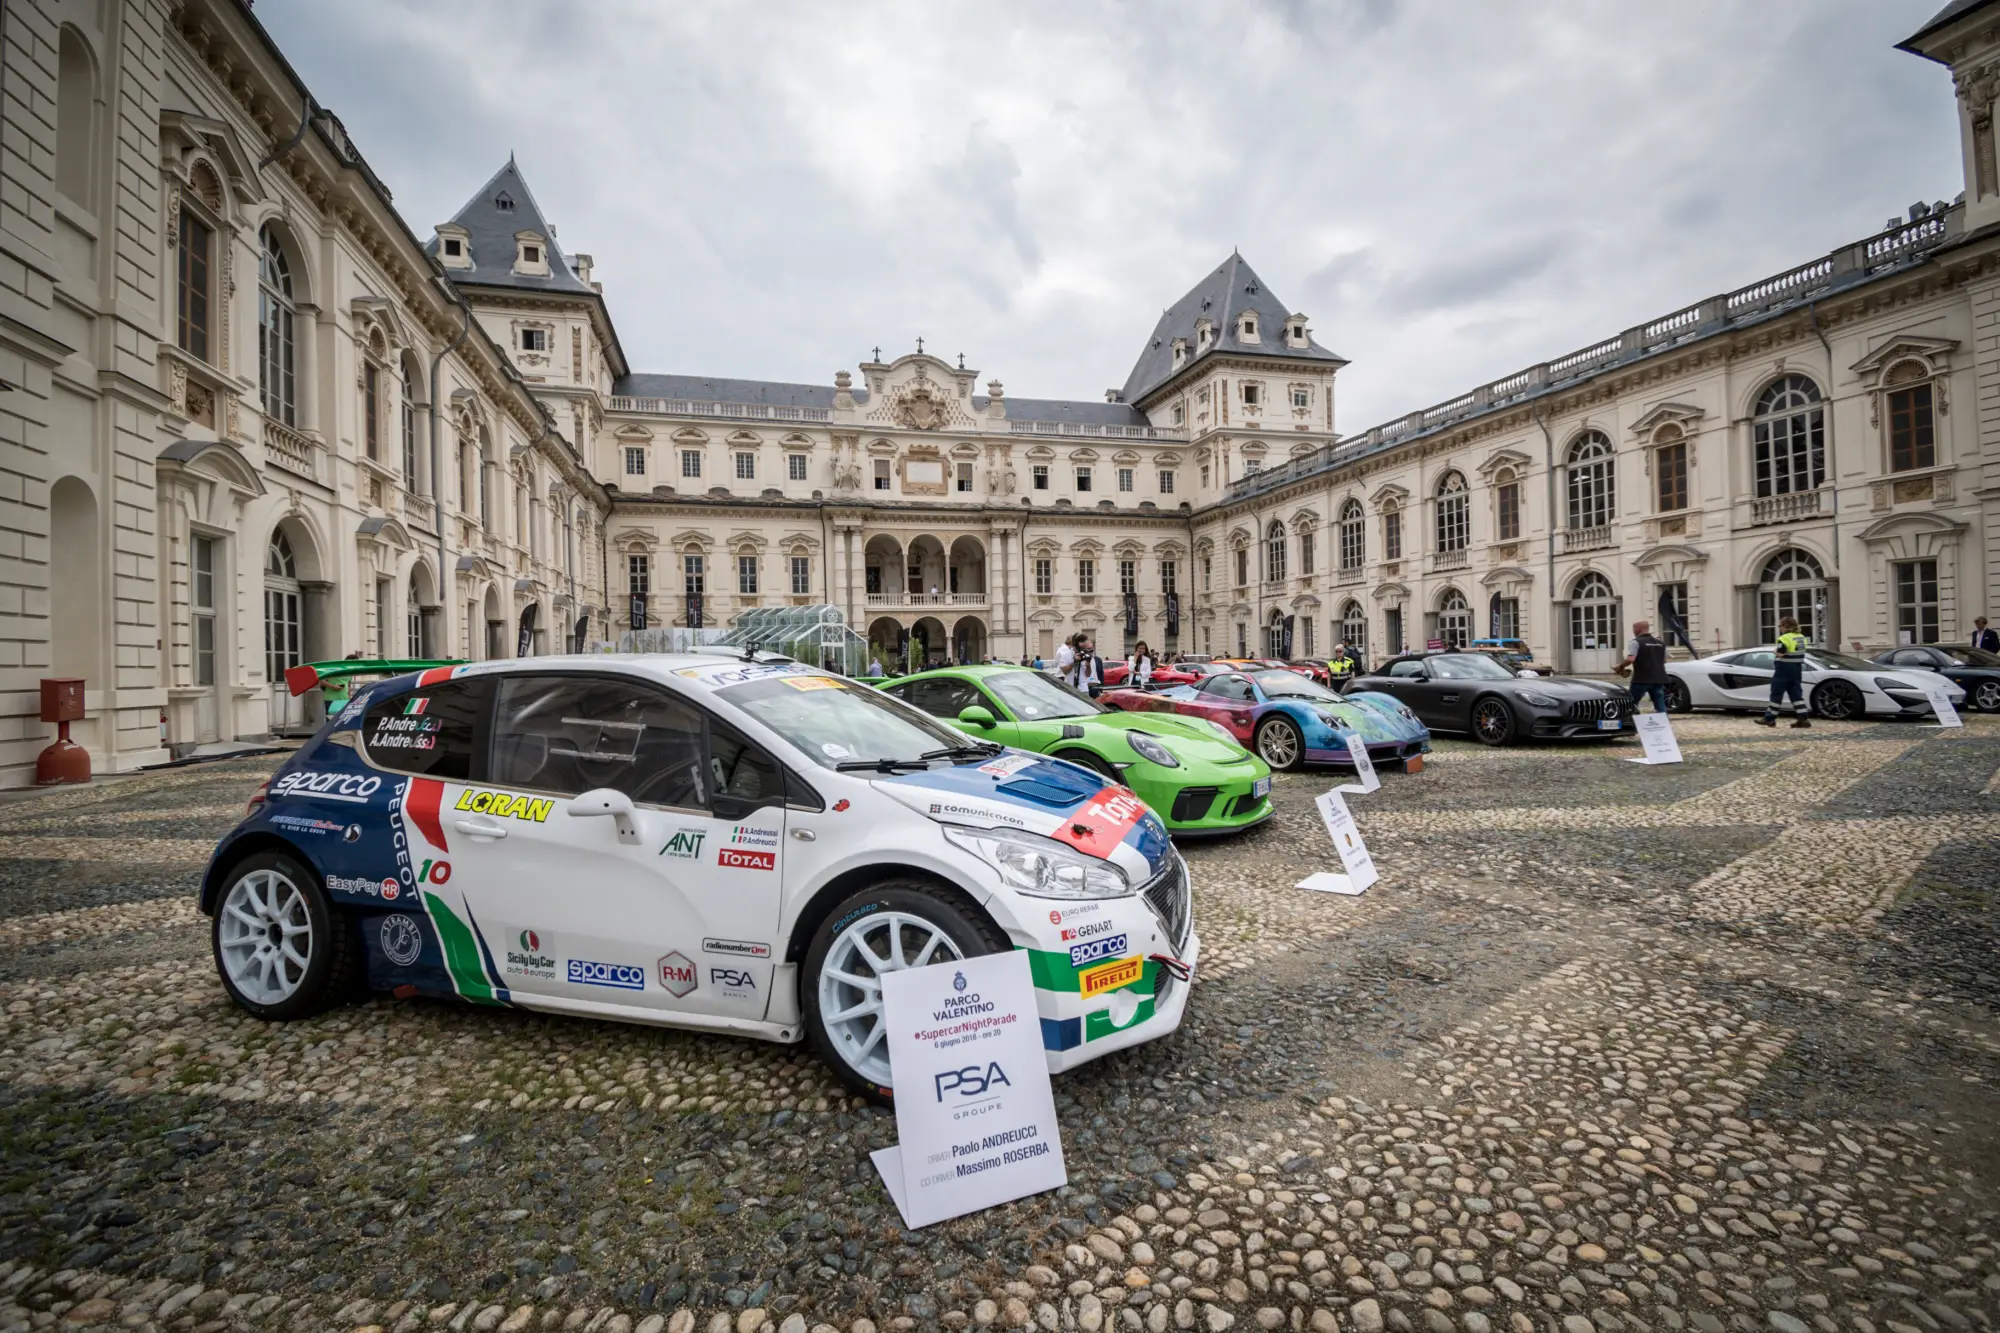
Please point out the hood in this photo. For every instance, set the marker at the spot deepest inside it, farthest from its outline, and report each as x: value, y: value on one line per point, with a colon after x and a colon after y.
x: 1571, y: 687
x: 1187, y: 738
x: 1039, y: 795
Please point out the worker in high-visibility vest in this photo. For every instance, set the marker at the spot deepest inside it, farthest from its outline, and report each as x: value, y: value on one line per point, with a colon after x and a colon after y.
x: 1340, y: 666
x: 1788, y: 675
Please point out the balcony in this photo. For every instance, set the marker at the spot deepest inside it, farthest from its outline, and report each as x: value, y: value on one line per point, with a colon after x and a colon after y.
x: 691, y: 407
x: 1347, y: 578
x: 1593, y: 538
x: 927, y: 599
x: 1444, y: 560
x: 1096, y: 431
x: 1785, y: 508
x: 291, y: 450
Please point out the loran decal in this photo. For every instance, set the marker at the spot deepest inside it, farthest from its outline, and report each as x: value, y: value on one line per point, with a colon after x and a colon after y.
x: 353, y: 788
x: 1103, y: 822
x: 506, y: 805
x: 733, y: 858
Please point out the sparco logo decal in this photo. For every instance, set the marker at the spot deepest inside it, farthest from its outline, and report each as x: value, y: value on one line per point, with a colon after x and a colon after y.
x: 353, y: 788
x: 620, y: 976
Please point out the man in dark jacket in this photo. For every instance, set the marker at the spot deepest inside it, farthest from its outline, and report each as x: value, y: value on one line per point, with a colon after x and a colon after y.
x: 1646, y: 659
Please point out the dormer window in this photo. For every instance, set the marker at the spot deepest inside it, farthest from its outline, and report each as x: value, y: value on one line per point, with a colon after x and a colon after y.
x: 504, y: 202
x: 454, y: 248
x: 1203, y: 332
x: 1295, y: 331
x: 531, y: 254
x: 1180, y: 352
x: 1246, y: 329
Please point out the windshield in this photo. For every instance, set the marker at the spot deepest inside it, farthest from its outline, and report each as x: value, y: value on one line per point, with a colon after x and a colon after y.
x: 1978, y: 657
x: 1281, y: 684
x: 1031, y: 696
x: 834, y: 720
x: 1826, y: 661
x: 1468, y: 666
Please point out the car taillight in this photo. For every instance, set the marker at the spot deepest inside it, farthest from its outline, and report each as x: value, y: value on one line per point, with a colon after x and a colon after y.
x: 257, y: 798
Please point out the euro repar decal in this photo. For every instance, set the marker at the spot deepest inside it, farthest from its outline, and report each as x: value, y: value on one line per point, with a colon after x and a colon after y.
x: 505, y: 805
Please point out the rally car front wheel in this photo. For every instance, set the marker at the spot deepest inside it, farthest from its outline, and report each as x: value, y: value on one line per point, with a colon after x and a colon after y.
x: 282, y: 951
x: 893, y: 925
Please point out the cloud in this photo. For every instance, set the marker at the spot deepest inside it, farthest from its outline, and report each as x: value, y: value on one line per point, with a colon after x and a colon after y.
x: 1450, y: 191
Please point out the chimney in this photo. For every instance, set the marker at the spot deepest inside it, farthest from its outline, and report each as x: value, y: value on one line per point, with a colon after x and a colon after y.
x: 582, y: 268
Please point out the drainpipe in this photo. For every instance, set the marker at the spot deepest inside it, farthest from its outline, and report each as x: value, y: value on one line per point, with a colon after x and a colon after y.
x: 1549, y: 477
x: 298, y: 135
x: 437, y: 490
x: 1832, y: 462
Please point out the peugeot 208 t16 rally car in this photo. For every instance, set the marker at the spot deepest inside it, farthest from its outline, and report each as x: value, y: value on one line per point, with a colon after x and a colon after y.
x: 710, y: 842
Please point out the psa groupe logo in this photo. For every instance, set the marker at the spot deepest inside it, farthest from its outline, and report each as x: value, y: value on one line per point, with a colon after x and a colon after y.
x: 971, y: 1081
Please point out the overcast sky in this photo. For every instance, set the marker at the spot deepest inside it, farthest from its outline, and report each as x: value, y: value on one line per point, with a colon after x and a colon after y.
x: 1450, y: 190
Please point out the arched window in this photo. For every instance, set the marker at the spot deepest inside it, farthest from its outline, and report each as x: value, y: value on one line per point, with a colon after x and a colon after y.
x: 1792, y: 585
x: 1593, y: 614
x: 76, y: 116
x: 409, y: 432
x: 1274, y: 636
x: 1790, y: 437
x: 1353, y: 535
x: 1274, y: 552
x: 276, y: 353
x: 1454, y: 521
x: 1591, y: 480
x: 1354, y: 628
x: 1454, y: 618
x: 282, y: 646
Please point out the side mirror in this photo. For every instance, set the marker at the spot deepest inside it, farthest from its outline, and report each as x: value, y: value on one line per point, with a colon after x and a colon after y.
x: 607, y: 801
x: 978, y: 715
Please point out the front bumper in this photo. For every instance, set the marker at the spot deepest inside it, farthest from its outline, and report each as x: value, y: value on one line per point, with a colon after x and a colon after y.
x: 1379, y: 752
x: 1219, y: 804
x: 1073, y: 1041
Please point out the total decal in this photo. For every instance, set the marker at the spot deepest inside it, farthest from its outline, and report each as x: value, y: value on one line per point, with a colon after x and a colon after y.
x: 735, y: 858
x: 528, y: 960
x: 1103, y: 821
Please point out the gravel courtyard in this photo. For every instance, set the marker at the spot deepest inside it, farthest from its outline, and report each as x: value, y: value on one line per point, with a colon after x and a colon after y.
x: 1711, y: 1047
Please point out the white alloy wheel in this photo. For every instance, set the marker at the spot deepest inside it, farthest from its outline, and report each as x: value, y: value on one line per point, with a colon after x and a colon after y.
x: 850, y: 987
x: 266, y: 940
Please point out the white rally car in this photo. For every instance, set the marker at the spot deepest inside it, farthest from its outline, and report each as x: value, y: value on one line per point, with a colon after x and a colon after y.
x: 736, y: 844
x: 1834, y: 684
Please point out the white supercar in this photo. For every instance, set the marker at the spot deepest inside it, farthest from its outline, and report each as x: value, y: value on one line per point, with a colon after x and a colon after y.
x: 1834, y: 684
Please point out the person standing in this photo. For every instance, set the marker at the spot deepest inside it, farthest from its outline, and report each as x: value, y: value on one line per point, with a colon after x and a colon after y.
x: 1087, y: 673
x: 1066, y: 657
x: 1341, y: 666
x: 1985, y: 638
x: 1142, y: 665
x: 1646, y: 659
x: 874, y: 666
x: 1788, y: 675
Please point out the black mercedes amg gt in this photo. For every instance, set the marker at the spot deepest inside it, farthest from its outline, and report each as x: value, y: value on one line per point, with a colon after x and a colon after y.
x: 1474, y: 695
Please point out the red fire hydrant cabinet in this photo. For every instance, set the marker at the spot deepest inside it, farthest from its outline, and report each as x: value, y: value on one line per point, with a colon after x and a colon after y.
x: 65, y: 760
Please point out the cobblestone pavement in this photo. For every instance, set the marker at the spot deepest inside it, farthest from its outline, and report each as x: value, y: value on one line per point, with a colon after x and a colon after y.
x: 1609, y: 1047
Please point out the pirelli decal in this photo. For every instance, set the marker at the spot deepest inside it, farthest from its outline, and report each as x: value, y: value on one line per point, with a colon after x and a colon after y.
x: 505, y: 805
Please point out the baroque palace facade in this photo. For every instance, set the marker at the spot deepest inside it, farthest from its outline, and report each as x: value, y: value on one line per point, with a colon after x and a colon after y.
x: 250, y: 419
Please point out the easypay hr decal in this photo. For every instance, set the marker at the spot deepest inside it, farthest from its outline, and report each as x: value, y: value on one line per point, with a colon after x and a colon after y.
x: 506, y: 805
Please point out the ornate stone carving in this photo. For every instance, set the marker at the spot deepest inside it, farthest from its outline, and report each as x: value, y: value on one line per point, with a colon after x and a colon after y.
x: 1977, y: 87
x: 1941, y: 488
x: 177, y: 387
x: 922, y: 407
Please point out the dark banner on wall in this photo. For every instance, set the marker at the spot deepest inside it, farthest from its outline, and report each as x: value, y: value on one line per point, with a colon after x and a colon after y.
x: 1173, y: 615
x: 1131, y: 613
x: 1493, y: 617
x: 638, y: 613
x: 1285, y: 638
x: 1671, y: 625
x: 581, y: 634
x: 694, y: 610
x: 527, y: 642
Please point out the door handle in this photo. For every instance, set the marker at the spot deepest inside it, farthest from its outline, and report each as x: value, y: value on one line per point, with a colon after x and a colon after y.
x: 479, y: 828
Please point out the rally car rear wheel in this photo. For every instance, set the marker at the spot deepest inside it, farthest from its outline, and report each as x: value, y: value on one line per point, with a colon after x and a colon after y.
x: 281, y: 950
x: 894, y: 925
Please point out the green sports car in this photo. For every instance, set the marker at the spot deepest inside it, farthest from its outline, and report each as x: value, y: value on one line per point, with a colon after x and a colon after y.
x: 1188, y: 769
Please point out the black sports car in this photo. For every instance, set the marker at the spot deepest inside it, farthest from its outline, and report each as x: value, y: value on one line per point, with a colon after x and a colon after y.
x: 1473, y: 694
x: 1973, y: 670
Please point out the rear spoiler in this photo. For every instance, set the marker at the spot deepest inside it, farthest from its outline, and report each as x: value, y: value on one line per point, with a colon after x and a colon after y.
x: 312, y: 675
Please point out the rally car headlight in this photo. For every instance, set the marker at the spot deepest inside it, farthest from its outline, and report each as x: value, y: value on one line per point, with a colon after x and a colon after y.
x: 1041, y: 867
x: 1540, y: 700
x: 1149, y: 749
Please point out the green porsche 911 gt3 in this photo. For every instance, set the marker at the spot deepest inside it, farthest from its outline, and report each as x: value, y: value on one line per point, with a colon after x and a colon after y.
x: 1188, y: 769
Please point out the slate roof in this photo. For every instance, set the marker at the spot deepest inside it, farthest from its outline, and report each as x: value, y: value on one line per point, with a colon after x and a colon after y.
x: 776, y: 393
x: 1221, y: 297
x: 1951, y: 13
x: 1081, y: 413
x: 492, y: 228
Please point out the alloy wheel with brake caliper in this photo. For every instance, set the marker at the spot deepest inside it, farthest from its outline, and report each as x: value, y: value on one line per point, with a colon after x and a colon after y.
x: 1492, y: 722
x: 1279, y: 745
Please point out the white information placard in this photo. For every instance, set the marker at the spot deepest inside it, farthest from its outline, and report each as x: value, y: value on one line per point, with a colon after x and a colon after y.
x: 1354, y: 858
x: 1364, y: 766
x: 1938, y: 688
x: 1656, y: 733
x: 975, y: 1115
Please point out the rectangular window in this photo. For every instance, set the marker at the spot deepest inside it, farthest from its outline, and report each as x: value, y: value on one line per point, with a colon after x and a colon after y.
x: 1392, y: 537
x: 1041, y: 475
x: 694, y: 580
x: 1510, y: 511
x: 534, y: 340
x: 691, y: 463
x: 1166, y: 481
x: 881, y: 474
x: 1670, y: 475
x: 1180, y: 414
x: 382, y: 587
x: 635, y: 461
x: 801, y: 575
x: 1242, y: 566
x: 1128, y: 576
x: 638, y: 575
x: 1510, y: 618
x: 1674, y: 595
x: 1125, y: 479
x: 1045, y: 576
x: 1305, y: 645
x: 746, y: 574
x: 1392, y: 624
x: 409, y: 438
x: 1086, y: 576
x: 1302, y: 397
x: 746, y: 467
x: 1306, y: 544
x: 1204, y: 475
x: 191, y: 281
x: 1207, y: 573
x: 1083, y: 479
x: 1911, y: 440
x: 1169, y: 572
x: 202, y: 596
x: 1916, y: 601
x: 371, y: 409
x: 796, y: 466
x: 962, y: 478
x: 1242, y: 640
x: 1253, y: 394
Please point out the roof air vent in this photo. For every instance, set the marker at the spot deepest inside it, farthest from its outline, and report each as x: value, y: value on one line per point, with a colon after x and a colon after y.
x: 504, y: 202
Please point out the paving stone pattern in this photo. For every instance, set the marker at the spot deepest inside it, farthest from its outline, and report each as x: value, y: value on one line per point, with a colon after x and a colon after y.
x: 1609, y: 1047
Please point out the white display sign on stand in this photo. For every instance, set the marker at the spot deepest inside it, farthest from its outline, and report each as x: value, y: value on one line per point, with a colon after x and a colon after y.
x: 1354, y: 858
x: 975, y: 1115
x: 1656, y: 733
x: 1364, y: 767
x: 1939, y: 690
